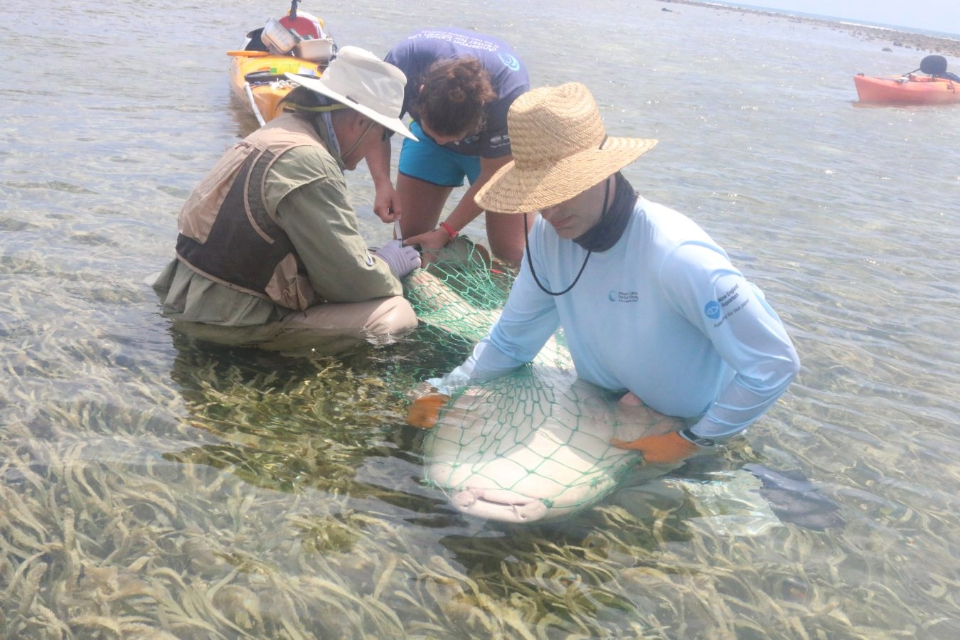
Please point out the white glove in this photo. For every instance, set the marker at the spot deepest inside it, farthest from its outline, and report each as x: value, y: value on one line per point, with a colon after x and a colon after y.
x: 451, y: 381
x: 401, y: 260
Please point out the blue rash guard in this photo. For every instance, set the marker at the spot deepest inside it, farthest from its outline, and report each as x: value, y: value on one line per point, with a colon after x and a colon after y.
x: 663, y: 314
x: 508, y: 76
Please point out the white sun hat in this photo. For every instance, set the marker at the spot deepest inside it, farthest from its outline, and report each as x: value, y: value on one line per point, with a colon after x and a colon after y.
x: 365, y: 83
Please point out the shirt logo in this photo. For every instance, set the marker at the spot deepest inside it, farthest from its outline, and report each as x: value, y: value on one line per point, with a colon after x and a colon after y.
x: 712, y: 310
x: 623, y: 296
x: 511, y: 63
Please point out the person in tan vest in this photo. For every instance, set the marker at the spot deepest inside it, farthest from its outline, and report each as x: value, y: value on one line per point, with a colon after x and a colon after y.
x: 269, y: 251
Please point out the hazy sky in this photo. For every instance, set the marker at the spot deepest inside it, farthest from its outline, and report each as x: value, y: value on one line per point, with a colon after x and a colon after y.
x: 932, y: 15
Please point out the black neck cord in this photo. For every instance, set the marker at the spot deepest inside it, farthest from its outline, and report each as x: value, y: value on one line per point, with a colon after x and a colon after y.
x: 526, y: 241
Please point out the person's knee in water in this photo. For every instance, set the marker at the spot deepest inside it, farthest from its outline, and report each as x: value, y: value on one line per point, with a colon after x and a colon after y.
x: 269, y: 235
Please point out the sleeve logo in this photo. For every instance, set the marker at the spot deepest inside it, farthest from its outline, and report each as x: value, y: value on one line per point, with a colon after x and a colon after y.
x: 511, y: 63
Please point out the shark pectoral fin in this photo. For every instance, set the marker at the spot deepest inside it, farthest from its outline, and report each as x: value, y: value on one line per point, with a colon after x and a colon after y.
x: 425, y: 410
x: 630, y: 399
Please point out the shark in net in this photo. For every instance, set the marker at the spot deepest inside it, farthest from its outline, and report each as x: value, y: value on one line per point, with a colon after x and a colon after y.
x: 529, y: 446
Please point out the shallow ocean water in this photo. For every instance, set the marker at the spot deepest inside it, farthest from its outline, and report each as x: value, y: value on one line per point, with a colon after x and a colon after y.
x: 151, y: 485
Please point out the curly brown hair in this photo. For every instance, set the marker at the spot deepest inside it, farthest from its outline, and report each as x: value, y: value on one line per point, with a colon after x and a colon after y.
x: 454, y: 94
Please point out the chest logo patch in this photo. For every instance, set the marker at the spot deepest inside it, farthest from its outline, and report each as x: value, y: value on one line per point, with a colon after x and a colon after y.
x: 623, y: 296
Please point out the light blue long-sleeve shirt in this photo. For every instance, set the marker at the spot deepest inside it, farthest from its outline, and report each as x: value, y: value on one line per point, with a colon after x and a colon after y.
x: 663, y: 314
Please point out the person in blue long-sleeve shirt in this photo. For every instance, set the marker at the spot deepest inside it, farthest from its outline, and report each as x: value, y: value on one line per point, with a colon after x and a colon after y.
x: 650, y: 305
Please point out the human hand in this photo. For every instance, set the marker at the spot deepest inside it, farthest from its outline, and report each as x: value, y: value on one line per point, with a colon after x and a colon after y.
x: 430, y: 240
x: 450, y: 382
x: 386, y: 204
x: 401, y: 260
x: 425, y: 405
x: 660, y: 449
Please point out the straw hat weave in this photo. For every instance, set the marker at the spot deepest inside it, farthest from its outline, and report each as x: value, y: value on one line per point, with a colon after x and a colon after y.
x: 560, y: 149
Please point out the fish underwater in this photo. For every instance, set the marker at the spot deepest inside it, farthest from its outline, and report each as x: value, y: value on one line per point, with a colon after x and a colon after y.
x: 535, y: 445
x: 723, y: 502
x: 793, y: 498
x: 747, y: 501
x: 532, y: 445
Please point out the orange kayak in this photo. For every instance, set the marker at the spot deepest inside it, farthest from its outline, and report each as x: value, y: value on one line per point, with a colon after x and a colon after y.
x: 908, y: 89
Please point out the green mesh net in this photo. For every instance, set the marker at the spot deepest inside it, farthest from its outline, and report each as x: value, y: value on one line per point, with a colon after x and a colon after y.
x: 528, y: 446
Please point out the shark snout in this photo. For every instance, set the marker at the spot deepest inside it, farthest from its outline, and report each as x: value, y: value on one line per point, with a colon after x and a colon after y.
x: 499, y: 504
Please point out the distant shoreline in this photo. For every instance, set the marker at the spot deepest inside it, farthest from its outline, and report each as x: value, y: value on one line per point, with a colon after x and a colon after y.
x: 892, y: 37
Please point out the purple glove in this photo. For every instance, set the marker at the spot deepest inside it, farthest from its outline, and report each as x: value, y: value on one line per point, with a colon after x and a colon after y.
x: 401, y: 260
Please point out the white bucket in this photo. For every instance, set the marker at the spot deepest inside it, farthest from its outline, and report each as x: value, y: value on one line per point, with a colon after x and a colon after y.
x: 277, y: 38
x: 319, y: 51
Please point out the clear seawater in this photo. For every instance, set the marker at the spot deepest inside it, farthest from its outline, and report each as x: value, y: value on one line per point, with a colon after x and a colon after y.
x: 149, y: 484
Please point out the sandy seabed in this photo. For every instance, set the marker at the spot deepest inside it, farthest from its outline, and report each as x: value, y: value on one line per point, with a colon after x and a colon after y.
x: 887, y: 38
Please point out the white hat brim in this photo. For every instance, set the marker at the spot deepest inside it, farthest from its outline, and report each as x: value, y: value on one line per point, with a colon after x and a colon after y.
x: 314, y: 84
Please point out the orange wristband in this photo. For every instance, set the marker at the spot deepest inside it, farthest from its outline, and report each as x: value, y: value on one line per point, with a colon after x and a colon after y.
x: 450, y: 230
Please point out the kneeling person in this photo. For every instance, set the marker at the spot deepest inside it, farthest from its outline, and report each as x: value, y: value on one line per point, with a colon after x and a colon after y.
x: 269, y: 251
x: 650, y: 305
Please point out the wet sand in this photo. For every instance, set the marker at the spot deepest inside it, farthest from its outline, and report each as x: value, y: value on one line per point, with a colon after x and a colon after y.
x: 886, y: 39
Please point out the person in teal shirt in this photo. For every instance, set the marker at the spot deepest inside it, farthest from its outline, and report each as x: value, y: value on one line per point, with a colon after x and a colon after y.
x: 460, y: 85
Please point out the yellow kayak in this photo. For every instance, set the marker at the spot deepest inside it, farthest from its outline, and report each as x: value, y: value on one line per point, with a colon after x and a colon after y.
x: 295, y: 43
x: 259, y: 83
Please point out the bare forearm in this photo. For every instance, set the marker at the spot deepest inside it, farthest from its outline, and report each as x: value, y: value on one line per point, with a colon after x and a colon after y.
x: 378, y: 162
x: 467, y: 209
x: 386, y: 204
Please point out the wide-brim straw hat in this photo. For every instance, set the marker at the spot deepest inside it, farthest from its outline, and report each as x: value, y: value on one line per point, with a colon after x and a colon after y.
x: 560, y: 149
x: 365, y: 83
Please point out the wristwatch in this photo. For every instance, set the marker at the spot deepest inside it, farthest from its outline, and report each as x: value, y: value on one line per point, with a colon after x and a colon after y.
x: 697, y: 440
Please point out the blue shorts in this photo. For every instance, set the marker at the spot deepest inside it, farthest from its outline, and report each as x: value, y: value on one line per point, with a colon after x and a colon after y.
x: 426, y: 160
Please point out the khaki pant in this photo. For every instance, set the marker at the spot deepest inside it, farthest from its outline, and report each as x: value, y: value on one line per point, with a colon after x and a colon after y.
x: 326, y: 328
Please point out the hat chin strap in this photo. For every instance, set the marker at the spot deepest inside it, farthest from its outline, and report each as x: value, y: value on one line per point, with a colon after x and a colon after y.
x: 613, y: 221
x: 353, y: 147
x: 606, y: 197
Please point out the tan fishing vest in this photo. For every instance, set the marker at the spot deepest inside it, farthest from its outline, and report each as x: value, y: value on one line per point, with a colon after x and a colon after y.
x: 229, y: 234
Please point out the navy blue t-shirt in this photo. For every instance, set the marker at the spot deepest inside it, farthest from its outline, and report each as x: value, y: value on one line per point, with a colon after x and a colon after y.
x: 507, y: 74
